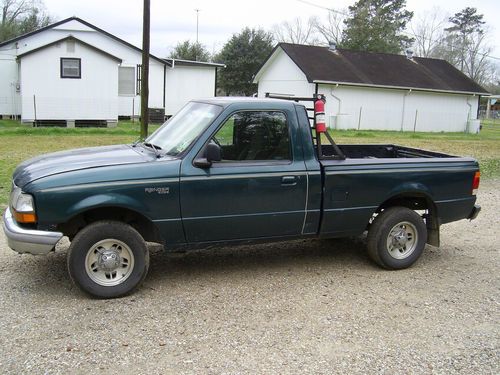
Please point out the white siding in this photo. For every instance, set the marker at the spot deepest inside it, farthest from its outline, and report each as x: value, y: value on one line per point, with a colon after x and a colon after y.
x: 130, y: 57
x: 282, y: 76
x: 93, y: 96
x: 185, y: 83
x: 384, y: 109
x: 127, y: 102
x: 349, y: 107
x: 9, y: 97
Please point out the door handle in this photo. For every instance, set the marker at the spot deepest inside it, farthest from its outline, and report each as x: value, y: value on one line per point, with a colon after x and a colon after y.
x: 289, y: 180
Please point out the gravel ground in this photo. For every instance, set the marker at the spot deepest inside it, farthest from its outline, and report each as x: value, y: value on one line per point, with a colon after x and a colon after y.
x: 298, y: 307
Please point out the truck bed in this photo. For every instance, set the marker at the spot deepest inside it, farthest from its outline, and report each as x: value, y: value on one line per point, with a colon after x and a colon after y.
x: 372, y: 174
x: 381, y: 151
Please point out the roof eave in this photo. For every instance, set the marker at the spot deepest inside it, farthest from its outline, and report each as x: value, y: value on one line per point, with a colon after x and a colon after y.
x: 194, y: 63
x: 88, y: 24
x: 98, y: 50
x: 401, y: 88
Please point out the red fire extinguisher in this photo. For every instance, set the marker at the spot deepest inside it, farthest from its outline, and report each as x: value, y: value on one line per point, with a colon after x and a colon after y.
x: 319, y: 114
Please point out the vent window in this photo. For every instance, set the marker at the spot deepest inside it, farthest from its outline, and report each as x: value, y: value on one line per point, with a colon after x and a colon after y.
x: 70, y: 46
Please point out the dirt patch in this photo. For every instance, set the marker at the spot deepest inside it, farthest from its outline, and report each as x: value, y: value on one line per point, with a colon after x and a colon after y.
x: 298, y: 307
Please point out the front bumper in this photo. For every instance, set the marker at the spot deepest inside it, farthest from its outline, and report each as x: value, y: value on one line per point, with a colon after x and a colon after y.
x: 475, y: 211
x: 29, y: 241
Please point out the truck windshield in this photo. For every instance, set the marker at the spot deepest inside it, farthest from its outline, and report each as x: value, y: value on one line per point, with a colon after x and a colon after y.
x: 180, y: 131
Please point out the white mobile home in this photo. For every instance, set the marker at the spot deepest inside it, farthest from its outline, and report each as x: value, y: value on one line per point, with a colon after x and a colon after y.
x: 73, y: 72
x: 374, y: 90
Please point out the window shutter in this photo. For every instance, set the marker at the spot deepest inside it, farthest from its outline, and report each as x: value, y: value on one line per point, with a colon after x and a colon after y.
x: 139, y: 82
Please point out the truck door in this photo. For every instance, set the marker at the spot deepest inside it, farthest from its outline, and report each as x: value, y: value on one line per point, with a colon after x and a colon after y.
x: 259, y: 187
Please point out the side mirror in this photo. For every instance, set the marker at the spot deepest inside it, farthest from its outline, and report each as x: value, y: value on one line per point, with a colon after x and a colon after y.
x: 212, y: 153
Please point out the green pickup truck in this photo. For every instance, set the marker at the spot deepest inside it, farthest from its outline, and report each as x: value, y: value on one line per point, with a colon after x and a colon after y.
x: 225, y: 171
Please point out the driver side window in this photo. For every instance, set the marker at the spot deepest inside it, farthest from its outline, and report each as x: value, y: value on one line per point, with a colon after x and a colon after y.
x: 254, y: 135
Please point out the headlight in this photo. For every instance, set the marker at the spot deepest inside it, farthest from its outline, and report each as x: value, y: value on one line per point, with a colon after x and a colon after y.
x: 24, y: 203
x: 23, y: 207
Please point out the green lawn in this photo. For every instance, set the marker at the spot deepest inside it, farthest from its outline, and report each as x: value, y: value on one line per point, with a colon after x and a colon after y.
x: 19, y: 142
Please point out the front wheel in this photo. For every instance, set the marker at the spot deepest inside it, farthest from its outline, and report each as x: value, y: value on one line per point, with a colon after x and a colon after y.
x: 108, y: 259
x: 397, y: 238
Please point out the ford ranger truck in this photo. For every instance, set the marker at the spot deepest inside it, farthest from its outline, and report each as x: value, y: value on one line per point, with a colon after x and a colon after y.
x: 227, y: 171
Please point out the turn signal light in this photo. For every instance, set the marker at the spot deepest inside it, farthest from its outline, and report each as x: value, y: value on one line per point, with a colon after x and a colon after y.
x: 475, y: 182
x: 24, y: 217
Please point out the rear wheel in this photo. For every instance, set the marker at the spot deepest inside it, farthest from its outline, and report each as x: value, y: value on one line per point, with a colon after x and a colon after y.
x: 397, y: 238
x: 108, y: 259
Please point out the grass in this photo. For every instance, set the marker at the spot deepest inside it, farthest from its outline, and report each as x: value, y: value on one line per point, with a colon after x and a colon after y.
x: 19, y: 142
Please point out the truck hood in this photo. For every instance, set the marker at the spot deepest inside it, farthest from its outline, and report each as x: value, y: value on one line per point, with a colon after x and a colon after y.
x: 83, y: 158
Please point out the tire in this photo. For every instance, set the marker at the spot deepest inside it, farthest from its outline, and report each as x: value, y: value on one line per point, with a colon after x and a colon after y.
x: 397, y: 238
x: 108, y: 259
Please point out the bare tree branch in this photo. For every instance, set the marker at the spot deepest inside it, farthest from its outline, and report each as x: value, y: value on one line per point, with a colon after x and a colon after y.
x: 296, y: 31
x: 13, y: 9
x: 428, y: 31
x: 331, y: 29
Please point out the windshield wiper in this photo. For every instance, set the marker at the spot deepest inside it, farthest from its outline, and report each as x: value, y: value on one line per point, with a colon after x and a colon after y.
x: 156, y: 148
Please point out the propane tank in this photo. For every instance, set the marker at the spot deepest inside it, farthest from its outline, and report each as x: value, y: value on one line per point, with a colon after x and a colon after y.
x: 319, y: 114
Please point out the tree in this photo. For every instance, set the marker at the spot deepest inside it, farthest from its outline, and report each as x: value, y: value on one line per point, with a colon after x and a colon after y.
x: 296, y: 31
x: 466, y: 32
x: 190, y: 51
x: 428, y: 32
x: 21, y: 16
x: 332, y: 29
x: 243, y: 54
x: 463, y: 44
x: 377, y: 26
x: 493, y: 81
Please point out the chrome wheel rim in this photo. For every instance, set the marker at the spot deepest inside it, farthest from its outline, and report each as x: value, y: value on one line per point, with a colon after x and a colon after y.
x: 402, y: 240
x: 109, y: 262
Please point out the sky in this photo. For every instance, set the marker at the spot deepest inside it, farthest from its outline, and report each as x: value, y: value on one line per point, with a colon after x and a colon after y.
x: 175, y: 21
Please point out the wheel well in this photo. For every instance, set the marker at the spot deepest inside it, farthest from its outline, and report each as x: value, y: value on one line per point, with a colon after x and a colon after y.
x: 139, y: 222
x: 415, y: 201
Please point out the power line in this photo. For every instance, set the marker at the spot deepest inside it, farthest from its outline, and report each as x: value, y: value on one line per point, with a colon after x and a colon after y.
x: 323, y: 7
x: 403, y: 32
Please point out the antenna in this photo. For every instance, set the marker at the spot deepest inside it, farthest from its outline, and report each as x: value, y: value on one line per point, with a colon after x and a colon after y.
x: 197, y: 19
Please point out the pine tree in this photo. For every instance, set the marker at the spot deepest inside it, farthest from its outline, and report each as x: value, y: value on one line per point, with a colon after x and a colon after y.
x: 377, y: 26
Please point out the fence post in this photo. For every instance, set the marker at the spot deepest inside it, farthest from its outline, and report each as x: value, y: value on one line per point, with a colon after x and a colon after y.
x: 415, y: 123
x: 359, y: 118
x: 133, y: 109
x: 34, y: 107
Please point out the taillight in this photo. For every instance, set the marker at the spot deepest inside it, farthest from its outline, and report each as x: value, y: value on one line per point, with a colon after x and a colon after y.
x: 475, y: 182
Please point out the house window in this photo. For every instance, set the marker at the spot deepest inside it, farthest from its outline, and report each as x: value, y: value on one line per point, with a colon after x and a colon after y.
x: 126, y: 81
x: 71, y: 68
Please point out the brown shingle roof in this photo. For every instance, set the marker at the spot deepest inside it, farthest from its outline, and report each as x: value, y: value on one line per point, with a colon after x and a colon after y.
x: 378, y: 69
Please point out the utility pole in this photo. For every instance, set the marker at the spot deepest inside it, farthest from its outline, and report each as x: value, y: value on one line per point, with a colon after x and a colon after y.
x: 145, y: 70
